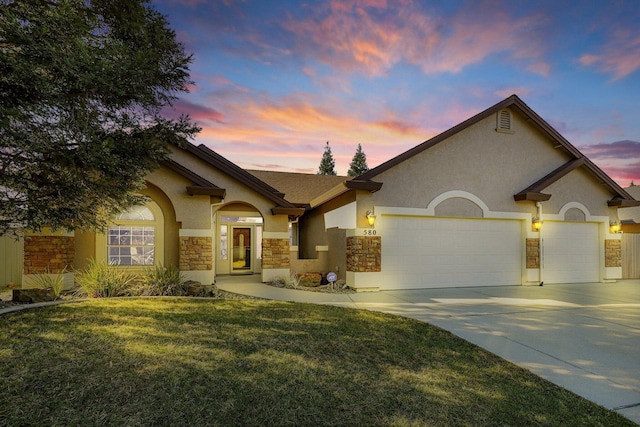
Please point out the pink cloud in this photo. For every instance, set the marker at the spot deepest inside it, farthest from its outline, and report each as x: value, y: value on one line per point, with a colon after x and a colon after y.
x: 614, y: 150
x: 197, y: 112
x: 291, y: 131
x: 371, y: 37
x: 620, y: 56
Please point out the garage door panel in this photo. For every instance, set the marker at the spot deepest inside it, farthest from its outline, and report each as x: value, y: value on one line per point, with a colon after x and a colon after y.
x: 447, y: 252
x: 570, y: 252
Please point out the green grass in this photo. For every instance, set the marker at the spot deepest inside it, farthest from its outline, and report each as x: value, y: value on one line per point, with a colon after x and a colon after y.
x: 178, y: 361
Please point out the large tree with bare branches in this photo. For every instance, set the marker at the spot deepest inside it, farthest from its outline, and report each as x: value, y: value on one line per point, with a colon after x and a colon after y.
x: 82, y: 86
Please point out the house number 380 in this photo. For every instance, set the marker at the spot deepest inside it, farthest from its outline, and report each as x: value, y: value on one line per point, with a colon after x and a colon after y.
x: 369, y: 232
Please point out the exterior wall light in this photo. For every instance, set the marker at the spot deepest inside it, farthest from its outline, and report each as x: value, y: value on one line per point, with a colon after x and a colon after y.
x: 614, y: 226
x: 371, y: 218
x: 537, y: 224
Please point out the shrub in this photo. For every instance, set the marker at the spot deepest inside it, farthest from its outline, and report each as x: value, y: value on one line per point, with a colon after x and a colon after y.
x: 47, y: 280
x: 163, y: 281
x: 101, y: 280
x: 292, y: 281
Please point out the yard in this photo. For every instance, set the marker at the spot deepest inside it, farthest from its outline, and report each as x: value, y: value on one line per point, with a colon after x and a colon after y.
x: 197, y: 362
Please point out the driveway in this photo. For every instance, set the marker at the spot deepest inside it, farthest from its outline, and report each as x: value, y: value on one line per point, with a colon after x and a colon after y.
x: 583, y: 337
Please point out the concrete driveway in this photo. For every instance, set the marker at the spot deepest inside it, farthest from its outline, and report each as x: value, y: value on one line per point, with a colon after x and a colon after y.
x: 583, y: 337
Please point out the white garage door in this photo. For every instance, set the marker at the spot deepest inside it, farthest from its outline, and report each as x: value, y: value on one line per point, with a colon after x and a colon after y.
x: 570, y: 251
x: 419, y: 252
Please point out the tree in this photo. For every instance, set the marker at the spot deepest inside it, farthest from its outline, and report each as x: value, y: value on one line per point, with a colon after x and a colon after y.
x: 82, y: 85
x: 327, y: 164
x: 358, y: 164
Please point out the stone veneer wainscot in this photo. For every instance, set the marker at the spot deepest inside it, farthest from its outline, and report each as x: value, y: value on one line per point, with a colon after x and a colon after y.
x: 196, y: 253
x: 275, y: 253
x: 364, y: 254
x: 613, y: 253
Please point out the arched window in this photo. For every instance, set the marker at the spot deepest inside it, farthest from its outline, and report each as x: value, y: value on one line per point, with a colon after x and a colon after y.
x: 131, y: 239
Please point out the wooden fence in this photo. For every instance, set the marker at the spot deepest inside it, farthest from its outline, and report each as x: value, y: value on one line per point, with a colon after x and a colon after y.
x: 630, y: 256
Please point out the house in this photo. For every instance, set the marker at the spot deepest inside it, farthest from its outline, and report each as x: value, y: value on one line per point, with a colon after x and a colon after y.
x: 500, y: 199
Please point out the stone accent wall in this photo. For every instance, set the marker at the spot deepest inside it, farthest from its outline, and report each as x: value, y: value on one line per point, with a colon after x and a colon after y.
x: 613, y: 253
x: 364, y: 254
x: 48, y: 254
x: 196, y: 253
x: 533, y: 253
x: 275, y: 253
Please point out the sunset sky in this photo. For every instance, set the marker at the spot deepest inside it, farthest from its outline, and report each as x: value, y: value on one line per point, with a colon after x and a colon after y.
x: 276, y: 79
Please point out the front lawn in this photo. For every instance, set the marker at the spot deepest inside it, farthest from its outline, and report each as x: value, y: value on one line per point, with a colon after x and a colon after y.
x: 190, y: 362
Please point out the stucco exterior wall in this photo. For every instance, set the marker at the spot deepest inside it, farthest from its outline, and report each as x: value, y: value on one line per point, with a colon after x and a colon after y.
x: 237, y: 192
x: 85, y: 242
x: 192, y: 212
x: 579, y: 186
x: 337, y: 261
x: 491, y: 165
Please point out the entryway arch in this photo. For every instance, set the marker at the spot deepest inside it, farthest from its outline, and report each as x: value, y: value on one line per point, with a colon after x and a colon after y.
x: 238, y: 235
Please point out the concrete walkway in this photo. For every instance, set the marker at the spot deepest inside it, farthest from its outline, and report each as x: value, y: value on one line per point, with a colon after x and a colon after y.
x: 583, y: 337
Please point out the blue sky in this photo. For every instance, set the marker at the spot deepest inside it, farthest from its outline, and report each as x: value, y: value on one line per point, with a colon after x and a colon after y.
x: 274, y: 80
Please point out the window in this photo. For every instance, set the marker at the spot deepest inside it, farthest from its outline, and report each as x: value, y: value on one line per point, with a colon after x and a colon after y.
x: 132, y: 240
x: 223, y: 241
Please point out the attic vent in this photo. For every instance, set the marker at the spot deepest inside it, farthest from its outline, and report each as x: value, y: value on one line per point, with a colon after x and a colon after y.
x: 504, y: 121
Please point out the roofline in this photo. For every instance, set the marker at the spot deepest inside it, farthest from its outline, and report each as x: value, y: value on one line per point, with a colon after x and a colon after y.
x: 201, y: 186
x: 514, y: 101
x: 292, y: 212
x: 187, y: 173
x: 343, y: 187
x: 534, y: 191
x: 211, y: 157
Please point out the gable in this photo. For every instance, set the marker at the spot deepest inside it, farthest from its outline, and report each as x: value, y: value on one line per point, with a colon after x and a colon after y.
x: 494, y: 158
x: 491, y: 165
x: 238, y: 185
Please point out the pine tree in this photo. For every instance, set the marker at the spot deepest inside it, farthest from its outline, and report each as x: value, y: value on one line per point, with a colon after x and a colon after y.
x: 358, y: 164
x: 327, y: 164
x: 82, y: 87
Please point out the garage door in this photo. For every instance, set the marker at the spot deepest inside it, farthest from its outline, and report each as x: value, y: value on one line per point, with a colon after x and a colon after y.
x: 419, y: 252
x: 570, y: 251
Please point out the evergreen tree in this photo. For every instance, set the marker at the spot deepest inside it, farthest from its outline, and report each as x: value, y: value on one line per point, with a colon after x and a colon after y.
x: 82, y: 85
x: 358, y: 164
x: 327, y: 164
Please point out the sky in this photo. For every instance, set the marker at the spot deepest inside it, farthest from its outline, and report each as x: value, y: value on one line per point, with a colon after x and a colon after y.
x: 274, y: 80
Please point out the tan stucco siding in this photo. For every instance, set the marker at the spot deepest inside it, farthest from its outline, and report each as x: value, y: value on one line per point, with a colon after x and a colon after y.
x: 236, y: 192
x: 491, y: 165
x: 193, y: 212
x: 579, y: 186
x: 171, y: 226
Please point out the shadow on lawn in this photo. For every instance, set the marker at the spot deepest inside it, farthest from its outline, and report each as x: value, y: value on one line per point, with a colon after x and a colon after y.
x: 161, y: 361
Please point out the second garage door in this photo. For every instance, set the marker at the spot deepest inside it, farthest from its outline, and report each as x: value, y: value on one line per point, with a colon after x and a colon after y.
x: 426, y: 252
x: 570, y: 251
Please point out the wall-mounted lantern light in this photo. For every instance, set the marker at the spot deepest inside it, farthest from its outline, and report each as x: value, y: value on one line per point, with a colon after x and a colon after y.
x: 537, y: 223
x: 371, y: 218
x: 614, y: 226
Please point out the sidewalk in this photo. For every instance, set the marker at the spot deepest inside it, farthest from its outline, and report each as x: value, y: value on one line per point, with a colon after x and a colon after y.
x: 583, y: 337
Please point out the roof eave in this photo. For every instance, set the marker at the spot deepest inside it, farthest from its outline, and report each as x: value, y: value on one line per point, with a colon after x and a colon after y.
x: 623, y: 203
x: 357, y: 184
x: 291, y: 212
x: 533, y: 197
x: 196, y: 190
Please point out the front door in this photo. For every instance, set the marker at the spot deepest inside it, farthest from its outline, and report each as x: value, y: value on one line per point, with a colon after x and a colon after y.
x: 241, y: 250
